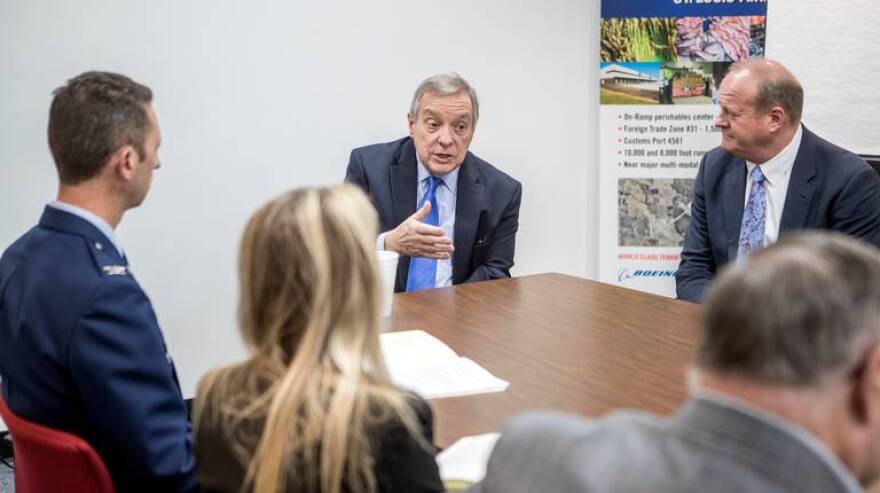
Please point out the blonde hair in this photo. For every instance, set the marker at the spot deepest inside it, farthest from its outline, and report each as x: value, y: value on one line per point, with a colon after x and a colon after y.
x: 309, y: 313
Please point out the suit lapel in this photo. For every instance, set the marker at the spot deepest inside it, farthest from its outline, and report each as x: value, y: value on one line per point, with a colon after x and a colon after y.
x: 468, y: 204
x: 800, y: 190
x: 402, y: 177
x: 403, y: 182
x: 734, y: 196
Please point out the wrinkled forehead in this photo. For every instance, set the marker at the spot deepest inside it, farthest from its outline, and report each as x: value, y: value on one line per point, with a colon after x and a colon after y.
x: 455, y: 105
x: 738, y: 91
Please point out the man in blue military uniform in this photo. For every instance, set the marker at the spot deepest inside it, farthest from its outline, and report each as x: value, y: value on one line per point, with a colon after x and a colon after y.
x: 80, y: 346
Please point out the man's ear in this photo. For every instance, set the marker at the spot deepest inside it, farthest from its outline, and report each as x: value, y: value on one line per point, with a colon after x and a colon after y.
x: 777, y: 117
x: 123, y: 161
x: 411, y: 122
x: 866, y: 391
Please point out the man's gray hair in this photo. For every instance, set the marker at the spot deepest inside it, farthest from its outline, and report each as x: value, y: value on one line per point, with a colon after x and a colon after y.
x: 444, y: 85
x: 795, y: 311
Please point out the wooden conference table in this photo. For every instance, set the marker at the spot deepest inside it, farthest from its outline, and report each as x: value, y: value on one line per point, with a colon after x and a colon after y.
x: 562, y: 342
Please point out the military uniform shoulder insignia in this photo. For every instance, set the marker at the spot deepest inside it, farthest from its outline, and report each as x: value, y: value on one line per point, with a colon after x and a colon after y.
x: 115, y: 270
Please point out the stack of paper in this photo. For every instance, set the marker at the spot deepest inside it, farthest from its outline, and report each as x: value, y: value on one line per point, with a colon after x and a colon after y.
x: 420, y: 362
x: 464, y: 463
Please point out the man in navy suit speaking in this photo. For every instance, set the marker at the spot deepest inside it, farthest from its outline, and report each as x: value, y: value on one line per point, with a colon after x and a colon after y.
x: 450, y: 215
x: 80, y: 346
x: 769, y: 176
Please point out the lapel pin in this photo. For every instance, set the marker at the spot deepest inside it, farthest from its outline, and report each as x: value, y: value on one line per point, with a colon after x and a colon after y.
x: 115, y: 270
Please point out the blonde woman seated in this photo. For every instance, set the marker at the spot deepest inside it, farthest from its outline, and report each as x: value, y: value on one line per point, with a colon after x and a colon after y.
x: 312, y: 408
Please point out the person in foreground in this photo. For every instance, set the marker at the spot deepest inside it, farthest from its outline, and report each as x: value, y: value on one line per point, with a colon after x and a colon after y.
x: 785, y: 393
x: 450, y: 215
x: 770, y: 176
x: 312, y: 409
x: 80, y: 347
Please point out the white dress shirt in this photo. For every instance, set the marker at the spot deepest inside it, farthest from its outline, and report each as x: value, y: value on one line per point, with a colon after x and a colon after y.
x: 92, y: 218
x: 445, y: 195
x: 777, y: 174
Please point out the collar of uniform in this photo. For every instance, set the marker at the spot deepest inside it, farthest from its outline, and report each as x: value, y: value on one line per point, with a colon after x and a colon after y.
x: 93, y: 219
x: 779, y: 166
x: 449, y: 179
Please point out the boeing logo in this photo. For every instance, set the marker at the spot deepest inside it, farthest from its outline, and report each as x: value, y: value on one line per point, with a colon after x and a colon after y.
x: 624, y: 274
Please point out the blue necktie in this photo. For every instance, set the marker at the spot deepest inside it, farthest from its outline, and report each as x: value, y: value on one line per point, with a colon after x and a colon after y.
x: 422, y: 271
x: 751, y: 233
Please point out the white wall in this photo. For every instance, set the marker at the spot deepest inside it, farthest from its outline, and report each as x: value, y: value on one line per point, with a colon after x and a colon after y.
x: 831, y: 47
x: 257, y: 97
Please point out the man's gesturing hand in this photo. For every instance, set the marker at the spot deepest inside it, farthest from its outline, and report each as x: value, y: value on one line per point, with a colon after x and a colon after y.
x: 414, y: 238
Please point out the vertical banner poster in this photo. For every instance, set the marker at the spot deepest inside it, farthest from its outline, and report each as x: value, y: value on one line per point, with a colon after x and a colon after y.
x: 661, y: 62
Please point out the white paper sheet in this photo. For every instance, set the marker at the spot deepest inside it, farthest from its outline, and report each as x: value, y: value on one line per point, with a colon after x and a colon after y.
x: 420, y: 362
x: 467, y: 458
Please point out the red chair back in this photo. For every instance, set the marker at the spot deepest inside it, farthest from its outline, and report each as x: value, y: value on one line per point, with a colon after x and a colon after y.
x: 48, y: 461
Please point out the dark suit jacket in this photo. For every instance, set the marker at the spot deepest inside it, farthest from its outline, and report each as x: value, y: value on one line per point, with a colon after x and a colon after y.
x: 706, y: 446
x: 486, y: 207
x: 830, y: 188
x: 81, y: 351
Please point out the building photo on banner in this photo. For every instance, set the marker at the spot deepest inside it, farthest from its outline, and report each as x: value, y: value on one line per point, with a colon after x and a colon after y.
x: 660, y: 67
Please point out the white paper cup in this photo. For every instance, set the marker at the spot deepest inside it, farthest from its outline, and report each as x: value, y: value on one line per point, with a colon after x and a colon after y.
x: 388, y: 272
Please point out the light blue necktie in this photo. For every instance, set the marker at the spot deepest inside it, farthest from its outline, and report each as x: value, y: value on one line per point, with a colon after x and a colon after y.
x: 423, y: 271
x: 751, y: 233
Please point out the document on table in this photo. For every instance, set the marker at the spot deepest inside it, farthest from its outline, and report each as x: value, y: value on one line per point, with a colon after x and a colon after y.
x: 420, y: 362
x: 465, y: 461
